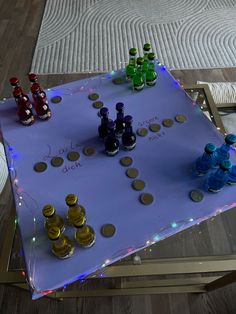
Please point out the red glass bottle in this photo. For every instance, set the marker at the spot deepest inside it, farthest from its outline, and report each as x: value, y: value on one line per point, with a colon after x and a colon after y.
x: 33, y: 78
x: 24, y: 112
x: 40, y: 100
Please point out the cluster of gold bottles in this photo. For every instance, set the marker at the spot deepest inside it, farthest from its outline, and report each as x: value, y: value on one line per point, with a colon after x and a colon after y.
x: 62, y: 245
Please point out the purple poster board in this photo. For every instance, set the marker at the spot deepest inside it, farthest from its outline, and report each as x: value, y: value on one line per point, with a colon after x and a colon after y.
x: 164, y: 160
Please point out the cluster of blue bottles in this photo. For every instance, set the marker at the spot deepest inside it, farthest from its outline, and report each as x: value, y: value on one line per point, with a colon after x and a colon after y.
x: 216, y: 161
x: 110, y: 131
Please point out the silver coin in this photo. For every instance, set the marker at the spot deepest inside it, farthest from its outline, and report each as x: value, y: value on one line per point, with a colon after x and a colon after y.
x: 196, y: 195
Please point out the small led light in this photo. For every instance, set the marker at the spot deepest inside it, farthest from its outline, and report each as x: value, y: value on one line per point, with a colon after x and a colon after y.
x: 156, y: 238
x: 16, y: 181
x: 191, y: 219
x: 107, y: 261
x: 148, y: 242
x: 20, y: 204
x: 20, y: 197
x: 33, y: 239
x: 34, y: 219
x: 174, y: 225
x: 103, y: 265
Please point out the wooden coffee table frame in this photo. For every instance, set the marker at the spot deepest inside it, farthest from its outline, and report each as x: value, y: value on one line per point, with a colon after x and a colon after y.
x: 188, y: 266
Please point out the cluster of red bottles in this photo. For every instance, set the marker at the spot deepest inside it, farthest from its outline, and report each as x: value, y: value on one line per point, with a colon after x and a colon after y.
x: 24, y: 106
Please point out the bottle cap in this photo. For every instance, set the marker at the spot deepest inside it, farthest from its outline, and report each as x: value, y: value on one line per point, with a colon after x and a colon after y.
x: 226, y: 165
x: 32, y: 77
x: 128, y: 119
x: 17, y: 92
x: 147, y: 47
x: 14, y: 81
x: 120, y: 106
x: 71, y: 199
x: 35, y: 88
x: 133, y: 51
x: 54, y: 233
x: 230, y: 139
x: 104, y: 112
x: 151, y: 56
x: 79, y: 220
x: 210, y: 148
x: 48, y: 210
x: 111, y: 125
x: 140, y: 60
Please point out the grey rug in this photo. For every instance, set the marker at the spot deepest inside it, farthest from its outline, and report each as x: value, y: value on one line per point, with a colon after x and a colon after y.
x: 95, y: 35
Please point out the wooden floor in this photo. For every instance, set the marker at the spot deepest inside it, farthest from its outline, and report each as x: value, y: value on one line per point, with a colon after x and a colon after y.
x: 19, y: 26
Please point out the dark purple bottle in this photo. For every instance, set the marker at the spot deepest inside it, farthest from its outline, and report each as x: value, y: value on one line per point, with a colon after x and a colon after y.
x: 120, y: 125
x: 102, y: 129
x: 111, y: 142
x: 129, y: 137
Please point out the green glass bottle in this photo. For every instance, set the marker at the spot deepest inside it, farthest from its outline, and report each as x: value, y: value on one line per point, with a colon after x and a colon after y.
x: 151, y: 77
x: 151, y: 60
x: 138, y: 79
x: 146, y: 50
x: 131, y: 67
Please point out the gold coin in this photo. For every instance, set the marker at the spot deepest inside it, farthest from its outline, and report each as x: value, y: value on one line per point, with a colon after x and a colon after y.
x: 93, y: 96
x: 138, y: 185
x: 146, y: 198
x: 154, y: 127
x: 108, y: 230
x: 168, y: 122
x: 196, y: 195
x: 73, y: 156
x: 132, y: 173
x: 40, y: 166
x: 180, y: 118
x: 56, y: 99
x: 57, y: 161
x: 98, y: 104
x: 126, y: 161
x: 118, y: 80
x: 89, y: 151
x: 142, y: 131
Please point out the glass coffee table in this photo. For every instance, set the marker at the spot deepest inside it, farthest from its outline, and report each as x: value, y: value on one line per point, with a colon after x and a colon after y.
x: 198, y: 259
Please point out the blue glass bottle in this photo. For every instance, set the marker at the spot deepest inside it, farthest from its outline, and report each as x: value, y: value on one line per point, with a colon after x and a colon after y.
x: 223, y: 151
x: 219, y: 178
x: 102, y: 129
x: 120, y: 125
x: 232, y: 175
x: 206, y: 161
x: 128, y: 137
x: 111, y: 142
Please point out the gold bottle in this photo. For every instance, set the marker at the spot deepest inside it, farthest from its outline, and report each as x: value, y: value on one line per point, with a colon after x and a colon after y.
x: 74, y: 208
x: 62, y: 246
x: 52, y: 220
x: 84, y: 234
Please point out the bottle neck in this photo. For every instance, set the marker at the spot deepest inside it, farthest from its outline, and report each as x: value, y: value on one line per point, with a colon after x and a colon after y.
x: 225, y: 147
x: 132, y: 60
x: 104, y: 120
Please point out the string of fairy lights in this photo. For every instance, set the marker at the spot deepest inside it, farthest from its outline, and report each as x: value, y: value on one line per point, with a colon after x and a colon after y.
x: 22, y: 201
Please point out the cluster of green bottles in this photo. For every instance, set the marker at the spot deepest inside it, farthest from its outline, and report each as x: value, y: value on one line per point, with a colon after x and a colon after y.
x: 62, y: 246
x: 141, y: 70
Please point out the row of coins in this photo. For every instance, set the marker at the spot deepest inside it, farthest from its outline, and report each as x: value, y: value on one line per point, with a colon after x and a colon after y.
x: 138, y: 185
x: 155, y: 127
x: 58, y: 161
